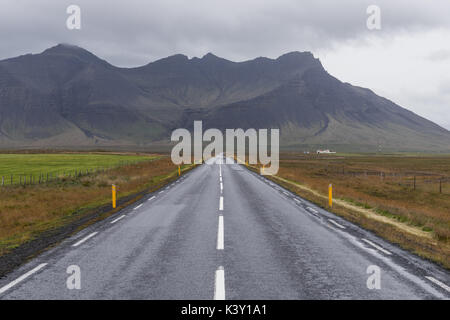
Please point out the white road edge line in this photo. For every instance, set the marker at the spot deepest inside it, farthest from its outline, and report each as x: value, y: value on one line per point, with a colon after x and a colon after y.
x: 221, y: 203
x: 376, y: 246
x: 296, y: 200
x: 439, y: 283
x: 220, y: 234
x: 22, y: 277
x: 336, y: 224
x: 219, y: 285
x: 85, y: 239
x: 151, y: 198
x: 138, y: 206
x: 119, y: 218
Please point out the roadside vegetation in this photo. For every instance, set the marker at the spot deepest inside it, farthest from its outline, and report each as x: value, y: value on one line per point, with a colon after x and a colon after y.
x: 403, y: 198
x: 26, y: 211
x: 25, y: 168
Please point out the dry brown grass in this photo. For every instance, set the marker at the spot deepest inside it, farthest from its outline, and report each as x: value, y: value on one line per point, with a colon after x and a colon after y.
x: 25, y: 212
x: 418, y: 220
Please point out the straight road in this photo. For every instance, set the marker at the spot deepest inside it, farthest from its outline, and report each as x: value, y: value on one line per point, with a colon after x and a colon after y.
x: 223, y: 232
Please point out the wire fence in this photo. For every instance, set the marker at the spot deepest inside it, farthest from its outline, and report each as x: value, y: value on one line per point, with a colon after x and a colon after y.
x: 422, y: 181
x: 54, y: 175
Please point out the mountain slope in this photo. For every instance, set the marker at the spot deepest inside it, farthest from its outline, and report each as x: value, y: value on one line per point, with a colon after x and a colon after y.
x: 68, y: 97
x: 317, y: 109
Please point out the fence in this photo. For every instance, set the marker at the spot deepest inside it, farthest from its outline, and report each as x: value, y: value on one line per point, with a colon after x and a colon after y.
x: 413, y: 180
x: 42, y: 178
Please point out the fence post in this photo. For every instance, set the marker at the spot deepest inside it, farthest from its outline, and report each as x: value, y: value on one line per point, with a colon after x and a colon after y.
x: 114, y: 196
x: 330, y: 195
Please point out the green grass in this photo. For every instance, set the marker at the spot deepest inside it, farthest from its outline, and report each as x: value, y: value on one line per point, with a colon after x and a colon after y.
x: 58, y: 164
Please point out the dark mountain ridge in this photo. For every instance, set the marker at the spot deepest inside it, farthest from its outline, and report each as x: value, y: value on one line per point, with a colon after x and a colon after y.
x: 68, y: 97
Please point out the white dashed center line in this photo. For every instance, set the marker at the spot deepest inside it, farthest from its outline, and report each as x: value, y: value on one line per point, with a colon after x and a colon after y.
x: 376, y: 246
x: 119, y: 218
x: 221, y: 203
x: 219, y: 286
x: 85, y: 239
x: 22, y: 277
x: 220, y: 234
x: 221, y: 187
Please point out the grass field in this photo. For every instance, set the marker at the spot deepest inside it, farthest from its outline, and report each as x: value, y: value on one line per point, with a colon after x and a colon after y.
x: 28, y: 211
x: 15, y: 166
x: 378, y: 192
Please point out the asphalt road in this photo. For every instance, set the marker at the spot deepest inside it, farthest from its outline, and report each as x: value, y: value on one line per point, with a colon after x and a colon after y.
x: 223, y: 232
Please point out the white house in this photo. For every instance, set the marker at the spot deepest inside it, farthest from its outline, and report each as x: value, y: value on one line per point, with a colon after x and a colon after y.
x: 325, y: 151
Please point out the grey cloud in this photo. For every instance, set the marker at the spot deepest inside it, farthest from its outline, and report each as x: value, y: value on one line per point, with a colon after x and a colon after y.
x: 133, y: 32
x: 439, y: 55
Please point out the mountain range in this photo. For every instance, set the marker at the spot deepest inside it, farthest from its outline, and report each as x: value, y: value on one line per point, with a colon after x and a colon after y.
x: 66, y: 97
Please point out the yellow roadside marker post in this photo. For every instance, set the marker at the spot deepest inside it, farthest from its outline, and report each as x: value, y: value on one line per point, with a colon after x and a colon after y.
x: 179, y: 171
x: 330, y: 195
x: 114, y: 196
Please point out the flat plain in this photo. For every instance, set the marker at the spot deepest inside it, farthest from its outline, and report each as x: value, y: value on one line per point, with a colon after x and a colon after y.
x: 403, y: 197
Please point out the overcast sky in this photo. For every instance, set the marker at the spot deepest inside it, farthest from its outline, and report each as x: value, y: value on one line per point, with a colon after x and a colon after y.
x: 407, y: 61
